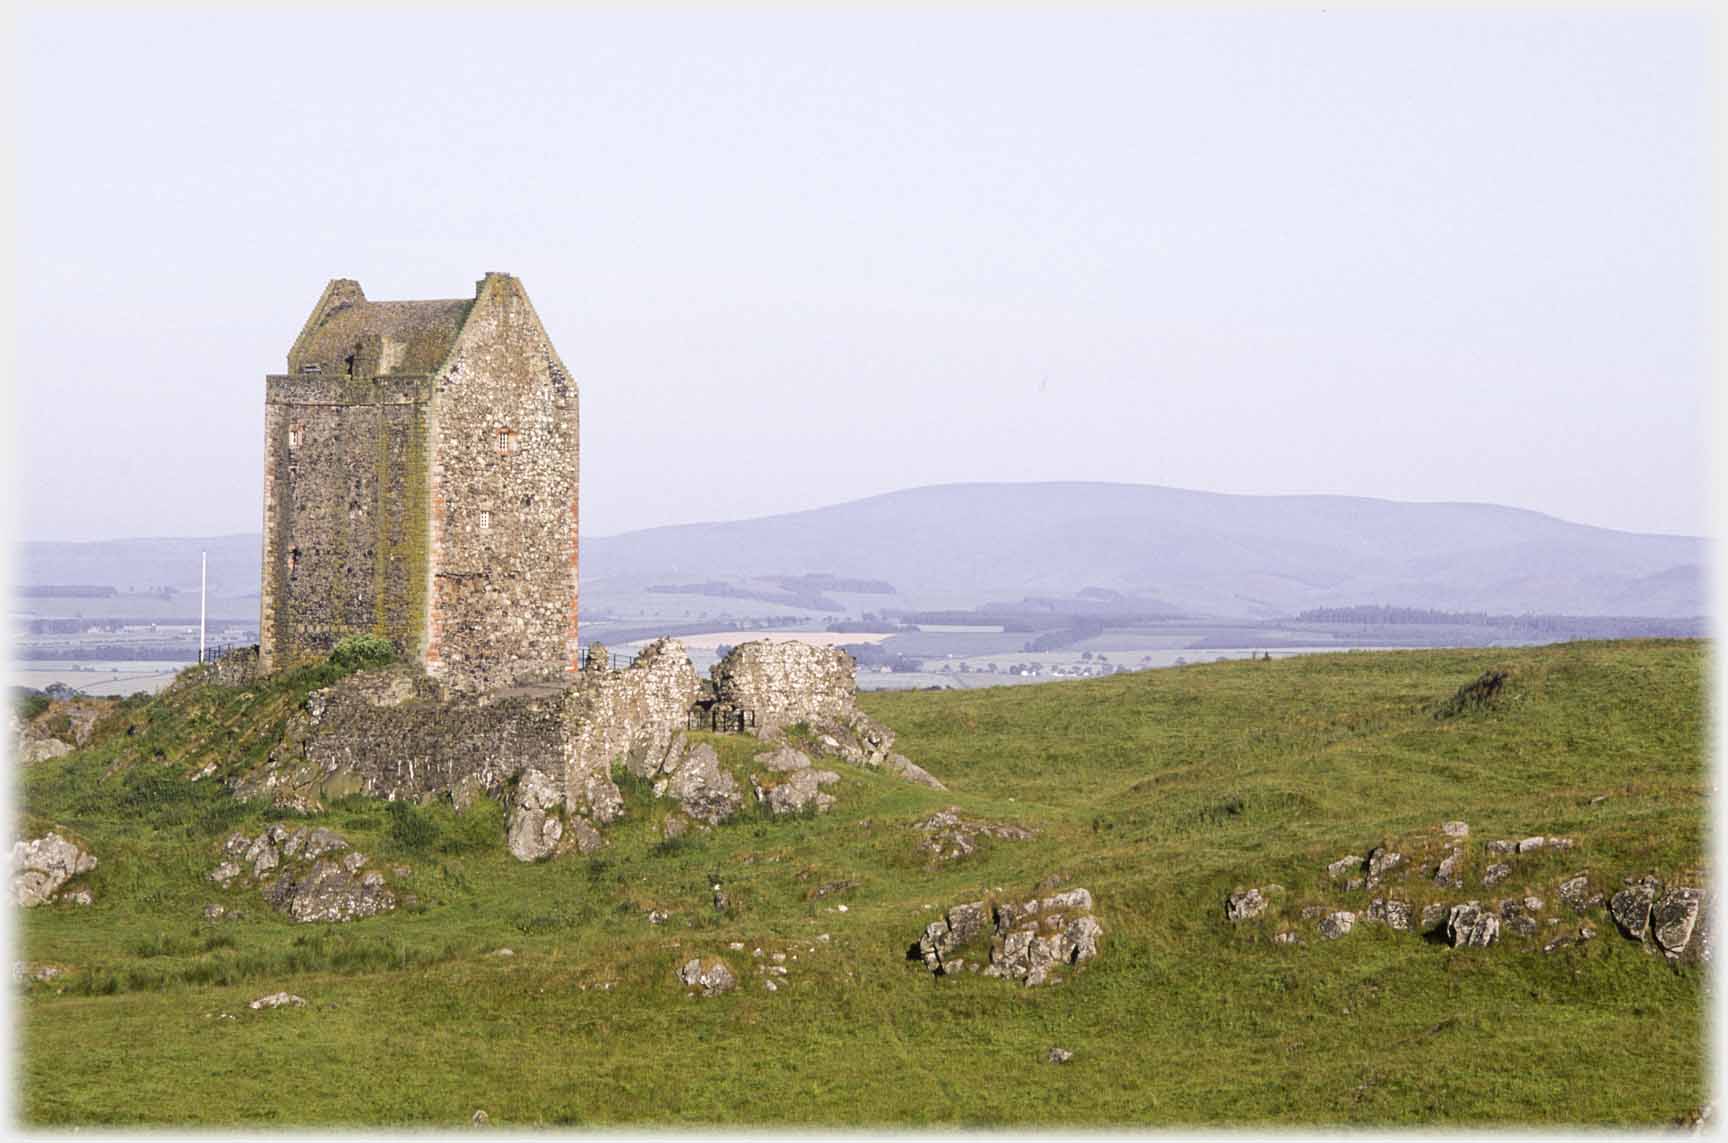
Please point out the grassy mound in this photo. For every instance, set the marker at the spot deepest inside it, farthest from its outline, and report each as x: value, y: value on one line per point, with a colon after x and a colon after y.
x: 1160, y: 792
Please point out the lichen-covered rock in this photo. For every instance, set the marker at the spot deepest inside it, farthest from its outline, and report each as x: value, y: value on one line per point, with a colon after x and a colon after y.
x: 1380, y: 863
x: 1335, y: 924
x: 705, y: 792
x: 1450, y: 872
x: 1434, y: 916
x: 1496, y: 873
x: 1576, y: 892
x: 533, y: 834
x: 794, y: 792
x: 1631, y: 907
x: 42, y: 750
x: 41, y: 868
x: 312, y: 874
x: 1241, y: 906
x: 1345, y: 866
x: 904, y: 767
x: 707, y: 976
x: 949, y: 836
x: 278, y: 1000
x: 1517, y: 915
x: 1458, y: 830
x: 1471, y: 926
x: 1393, y: 913
x: 329, y: 892
x: 1031, y: 941
x: 534, y: 830
x: 1673, y: 919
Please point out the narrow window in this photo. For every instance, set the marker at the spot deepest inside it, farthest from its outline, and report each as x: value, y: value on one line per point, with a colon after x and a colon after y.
x: 296, y: 435
x: 506, y: 440
x: 485, y: 520
x: 311, y: 367
x: 293, y: 560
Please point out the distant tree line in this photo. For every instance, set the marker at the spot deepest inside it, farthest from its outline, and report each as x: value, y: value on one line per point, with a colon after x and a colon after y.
x: 1576, y: 626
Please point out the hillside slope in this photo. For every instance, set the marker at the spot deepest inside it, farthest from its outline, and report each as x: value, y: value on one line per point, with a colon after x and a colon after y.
x: 1161, y: 792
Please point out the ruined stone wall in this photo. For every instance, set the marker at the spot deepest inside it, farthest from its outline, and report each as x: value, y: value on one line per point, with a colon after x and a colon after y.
x: 344, y: 513
x: 392, y: 734
x: 503, y: 491
x: 629, y: 717
x: 787, y: 682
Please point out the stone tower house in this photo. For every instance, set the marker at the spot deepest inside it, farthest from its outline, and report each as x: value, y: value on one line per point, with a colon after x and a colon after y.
x: 420, y: 480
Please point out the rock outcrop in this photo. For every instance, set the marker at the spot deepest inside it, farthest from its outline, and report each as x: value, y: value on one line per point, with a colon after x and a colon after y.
x: 949, y: 836
x: 1033, y: 941
x: 771, y: 687
x: 311, y: 874
x: 43, y: 866
x: 707, y: 976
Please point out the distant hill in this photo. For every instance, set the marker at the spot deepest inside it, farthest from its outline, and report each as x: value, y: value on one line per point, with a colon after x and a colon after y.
x: 1201, y: 552
x: 1167, y: 548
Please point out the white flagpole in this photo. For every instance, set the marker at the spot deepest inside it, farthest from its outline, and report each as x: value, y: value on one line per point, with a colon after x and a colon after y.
x: 203, y: 581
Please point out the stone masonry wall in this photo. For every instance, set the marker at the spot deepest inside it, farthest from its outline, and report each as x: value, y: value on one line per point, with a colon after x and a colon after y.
x: 504, y: 473
x: 393, y: 734
x: 344, y: 493
x: 787, y: 682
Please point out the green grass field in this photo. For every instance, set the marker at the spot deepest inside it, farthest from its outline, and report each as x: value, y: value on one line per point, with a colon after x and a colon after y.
x: 1160, y: 792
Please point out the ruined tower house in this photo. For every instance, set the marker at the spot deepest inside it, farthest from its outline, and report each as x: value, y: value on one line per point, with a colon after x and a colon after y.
x: 420, y: 483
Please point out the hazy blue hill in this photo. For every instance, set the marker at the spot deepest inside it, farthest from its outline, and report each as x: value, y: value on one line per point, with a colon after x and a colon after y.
x: 145, y: 563
x: 1202, y: 552
x: 1212, y: 552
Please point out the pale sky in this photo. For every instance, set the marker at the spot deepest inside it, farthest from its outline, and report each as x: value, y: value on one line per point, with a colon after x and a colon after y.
x: 794, y: 259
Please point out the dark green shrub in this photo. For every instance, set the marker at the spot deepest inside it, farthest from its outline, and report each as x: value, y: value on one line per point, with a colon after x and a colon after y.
x: 359, y: 652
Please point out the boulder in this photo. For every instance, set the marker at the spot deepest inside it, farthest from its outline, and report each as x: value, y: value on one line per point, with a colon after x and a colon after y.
x: 41, y: 868
x: 278, y: 1000
x: 1336, y: 924
x: 1631, y: 907
x: 1391, y: 912
x: 310, y: 874
x: 949, y: 836
x: 1380, y: 863
x: 1031, y: 941
x: 1575, y: 891
x: 1345, y: 866
x: 795, y: 792
x: 1673, y: 919
x: 42, y: 749
x: 1471, y: 926
x: 1455, y: 829
x: 1241, y: 906
x: 1059, y: 1055
x: 1450, y: 872
x: 705, y: 791
x: 1496, y: 873
x: 707, y: 976
x: 329, y: 892
x: 904, y: 767
x: 533, y: 834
